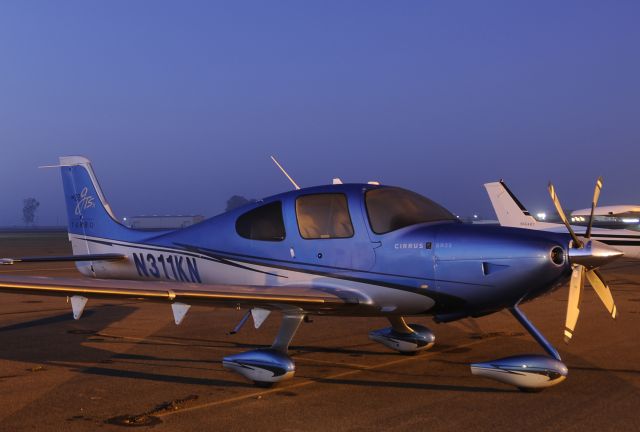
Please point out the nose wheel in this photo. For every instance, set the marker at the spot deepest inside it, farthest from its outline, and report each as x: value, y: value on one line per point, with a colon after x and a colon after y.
x: 529, y: 373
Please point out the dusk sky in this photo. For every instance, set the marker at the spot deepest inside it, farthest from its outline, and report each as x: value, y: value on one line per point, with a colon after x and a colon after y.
x: 179, y: 104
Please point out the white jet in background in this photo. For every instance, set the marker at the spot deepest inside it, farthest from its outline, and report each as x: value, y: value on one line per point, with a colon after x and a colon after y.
x: 511, y: 213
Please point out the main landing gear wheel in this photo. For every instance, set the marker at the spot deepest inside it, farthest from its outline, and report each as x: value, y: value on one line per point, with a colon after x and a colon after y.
x: 267, y: 366
x: 406, y: 339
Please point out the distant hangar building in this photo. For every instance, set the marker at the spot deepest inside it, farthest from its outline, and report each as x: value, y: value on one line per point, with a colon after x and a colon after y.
x: 158, y: 222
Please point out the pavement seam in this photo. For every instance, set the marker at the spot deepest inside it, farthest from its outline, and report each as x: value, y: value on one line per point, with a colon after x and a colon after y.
x: 315, y: 381
x: 213, y: 348
x: 38, y: 270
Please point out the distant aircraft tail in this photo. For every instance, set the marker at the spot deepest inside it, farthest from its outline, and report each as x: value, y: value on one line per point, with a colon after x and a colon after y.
x: 510, y: 211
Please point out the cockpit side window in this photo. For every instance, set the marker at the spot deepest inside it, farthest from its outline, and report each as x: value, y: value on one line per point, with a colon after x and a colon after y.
x: 324, y: 216
x: 390, y: 209
x: 263, y: 223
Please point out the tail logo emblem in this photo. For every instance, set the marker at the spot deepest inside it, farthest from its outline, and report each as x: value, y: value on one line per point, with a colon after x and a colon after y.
x: 84, y: 201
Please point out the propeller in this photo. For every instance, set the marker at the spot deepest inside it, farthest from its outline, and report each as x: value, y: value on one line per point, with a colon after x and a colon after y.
x: 585, y: 255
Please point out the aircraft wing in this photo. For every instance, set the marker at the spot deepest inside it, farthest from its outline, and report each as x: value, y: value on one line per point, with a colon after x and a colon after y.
x: 238, y: 296
x: 614, y: 210
x: 64, y: 258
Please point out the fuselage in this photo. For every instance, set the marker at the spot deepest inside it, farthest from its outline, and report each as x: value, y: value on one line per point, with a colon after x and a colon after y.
x: 399, y: 253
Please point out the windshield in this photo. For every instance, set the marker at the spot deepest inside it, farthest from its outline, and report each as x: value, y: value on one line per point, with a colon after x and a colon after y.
x: 390, y: 209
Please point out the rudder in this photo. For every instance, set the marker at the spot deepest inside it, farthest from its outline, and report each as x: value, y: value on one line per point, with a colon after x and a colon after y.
x: 88, y: 213
x: 509, y: 210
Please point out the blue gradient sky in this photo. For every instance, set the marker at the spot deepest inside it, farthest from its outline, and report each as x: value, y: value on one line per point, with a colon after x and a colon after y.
x: 179, y: 104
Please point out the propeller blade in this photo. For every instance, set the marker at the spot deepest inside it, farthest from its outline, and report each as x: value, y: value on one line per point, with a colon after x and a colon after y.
x: 594, y: 203
x: 573, y: 310
x: 603, y: 291
x: 554, y: 197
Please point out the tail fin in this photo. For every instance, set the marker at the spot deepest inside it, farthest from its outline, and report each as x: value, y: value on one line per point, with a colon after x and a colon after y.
x: 510, y: 211
x: 88, y: 212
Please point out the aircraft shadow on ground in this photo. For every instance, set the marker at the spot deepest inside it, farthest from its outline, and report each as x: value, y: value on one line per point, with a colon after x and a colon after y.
x: 65, y: 317
x: 160, y: 377
x: 293, y: 350
x: 418, y: 386
x: 309, y: 349
x: 60, y: 338
x: 606, y: 370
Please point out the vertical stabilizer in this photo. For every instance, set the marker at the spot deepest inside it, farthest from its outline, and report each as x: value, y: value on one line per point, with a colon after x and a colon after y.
x: 92, y: 225
x: 510, y: 211
x: 88, y: 213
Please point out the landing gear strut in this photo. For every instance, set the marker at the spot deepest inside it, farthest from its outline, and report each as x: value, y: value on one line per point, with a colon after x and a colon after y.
x: 266, y: 366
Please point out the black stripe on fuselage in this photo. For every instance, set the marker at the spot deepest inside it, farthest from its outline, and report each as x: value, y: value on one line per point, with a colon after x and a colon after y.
x: 220, y: 260
x: 441, y: 299
x: 250, y: 259
x: 259, y: 260
x: 214, y: 255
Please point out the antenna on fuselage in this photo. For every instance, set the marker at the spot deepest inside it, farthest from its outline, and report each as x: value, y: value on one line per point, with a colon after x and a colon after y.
x: 285, y: 173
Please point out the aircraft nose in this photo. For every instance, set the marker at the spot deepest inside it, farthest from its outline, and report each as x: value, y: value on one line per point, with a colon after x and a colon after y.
x: 594, y: 254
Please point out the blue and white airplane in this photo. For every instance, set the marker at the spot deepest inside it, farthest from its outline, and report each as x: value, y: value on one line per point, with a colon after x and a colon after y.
x: 342, y: 249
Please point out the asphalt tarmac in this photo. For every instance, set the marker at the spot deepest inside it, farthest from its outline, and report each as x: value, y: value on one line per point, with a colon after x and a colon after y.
x: 127, y: 365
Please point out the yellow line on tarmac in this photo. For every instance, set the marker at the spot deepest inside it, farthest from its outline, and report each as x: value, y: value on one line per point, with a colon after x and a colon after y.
x: 164, y: 341
x: 313, y: 381
x: 139, y: 339
x: 354, y: 365
x: 34, y: 311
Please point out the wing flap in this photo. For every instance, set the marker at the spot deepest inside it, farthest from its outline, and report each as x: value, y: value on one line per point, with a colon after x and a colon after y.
x: 66, y: 258
x: 225, y: 295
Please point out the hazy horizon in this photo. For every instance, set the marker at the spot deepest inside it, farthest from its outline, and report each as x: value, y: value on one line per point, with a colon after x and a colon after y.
x: 179, y: 105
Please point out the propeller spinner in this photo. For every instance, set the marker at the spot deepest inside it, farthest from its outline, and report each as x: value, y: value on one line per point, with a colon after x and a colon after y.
x: 586, y: 256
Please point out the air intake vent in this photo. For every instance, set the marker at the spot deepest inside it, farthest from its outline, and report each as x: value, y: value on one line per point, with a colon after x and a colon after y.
x: 490, y: 268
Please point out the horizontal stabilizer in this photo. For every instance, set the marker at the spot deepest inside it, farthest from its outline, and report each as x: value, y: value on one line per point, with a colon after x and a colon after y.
x: 67, y: 258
